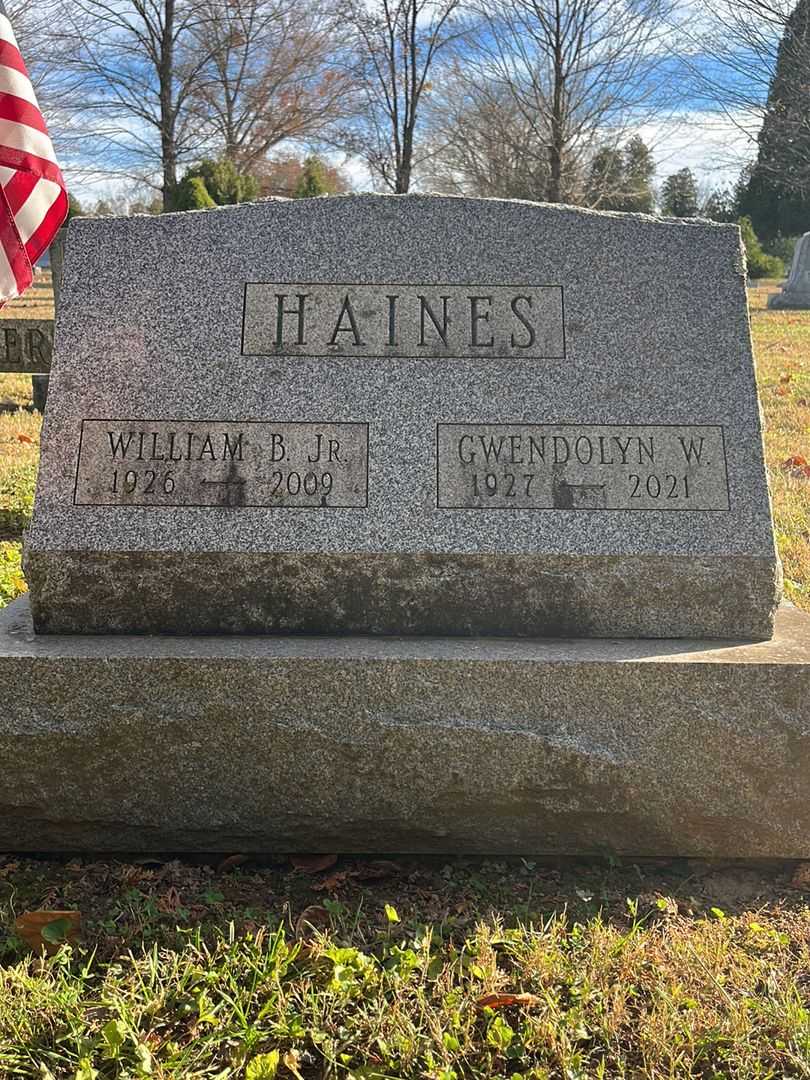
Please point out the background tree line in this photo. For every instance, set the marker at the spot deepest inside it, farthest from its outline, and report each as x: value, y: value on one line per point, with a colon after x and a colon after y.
x: 205, y: 102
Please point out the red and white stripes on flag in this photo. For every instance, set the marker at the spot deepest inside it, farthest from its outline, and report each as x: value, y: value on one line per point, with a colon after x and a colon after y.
x: 33, y: 198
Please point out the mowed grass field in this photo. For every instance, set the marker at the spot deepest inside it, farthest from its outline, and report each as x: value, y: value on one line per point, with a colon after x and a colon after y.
x: 440, y: 969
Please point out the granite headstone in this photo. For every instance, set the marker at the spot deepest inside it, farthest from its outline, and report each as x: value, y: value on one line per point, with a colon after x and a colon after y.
x: 796, y: 290
x: 403, y: 415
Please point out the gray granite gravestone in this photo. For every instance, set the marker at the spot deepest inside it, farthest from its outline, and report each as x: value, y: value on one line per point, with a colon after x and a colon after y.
x: 370, y: 417
x: 796, y: 290
x: 416, y: 415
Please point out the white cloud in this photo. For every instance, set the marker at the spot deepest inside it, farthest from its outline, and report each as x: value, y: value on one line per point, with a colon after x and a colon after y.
x: 713, y: 146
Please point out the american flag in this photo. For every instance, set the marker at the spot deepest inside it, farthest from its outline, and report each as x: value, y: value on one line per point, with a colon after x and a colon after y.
x: 33, y: 198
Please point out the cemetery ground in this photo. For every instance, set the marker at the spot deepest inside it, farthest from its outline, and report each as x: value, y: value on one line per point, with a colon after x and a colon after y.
x: 428, y: 967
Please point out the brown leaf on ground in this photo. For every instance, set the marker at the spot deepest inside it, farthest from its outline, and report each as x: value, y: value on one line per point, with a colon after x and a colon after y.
x: 785, y: 378
x: 313, y: 864
x: 292, y: 1061
x: 797, y: 466
x: 801, y: 876
x: 363, y: 871
x: 333, y: 882
x: 231, y: 862
x: 377, y: 868
x: 47, y: 930
x: 500, y: 1001
x: 311, y: 918
x: 170, y: 901
x: 21, y: 437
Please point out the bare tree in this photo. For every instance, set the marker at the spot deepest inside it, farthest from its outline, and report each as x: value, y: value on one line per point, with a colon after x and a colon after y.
x: 734, y: 47
x: 34, y: 23
x: 751, y: 66
x: 139, y: 66
x: 396, y: 44
x: 481, y: 142
x: 271, y: 74
x: 581, y: 74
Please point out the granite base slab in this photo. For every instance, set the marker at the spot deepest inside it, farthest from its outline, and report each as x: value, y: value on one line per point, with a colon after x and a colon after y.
x: 789, y: 301
x: 358, y: 744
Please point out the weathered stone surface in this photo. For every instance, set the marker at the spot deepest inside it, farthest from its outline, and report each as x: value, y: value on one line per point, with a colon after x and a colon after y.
x: 518, y: 595
x: 26, y: 345
x: 405, y: 745
x: 600, y: 365
x: 796, y: 290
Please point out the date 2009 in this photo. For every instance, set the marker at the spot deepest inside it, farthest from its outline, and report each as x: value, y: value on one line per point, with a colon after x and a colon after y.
x: 150, y: 482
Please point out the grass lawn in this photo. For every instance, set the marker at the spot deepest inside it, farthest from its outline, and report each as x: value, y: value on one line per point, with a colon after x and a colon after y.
x: 422, y: 968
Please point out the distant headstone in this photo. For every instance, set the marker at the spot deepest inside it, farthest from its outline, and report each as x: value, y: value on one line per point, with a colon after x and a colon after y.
x: 26, y: 345
x: 796, y: 290
x: 56, y: 255
x: 414, y: 415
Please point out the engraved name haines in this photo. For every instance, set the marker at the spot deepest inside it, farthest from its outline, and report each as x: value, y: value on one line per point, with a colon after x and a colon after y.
x: 581, y: 467
x: 403, y: 320
x: 200, y: 463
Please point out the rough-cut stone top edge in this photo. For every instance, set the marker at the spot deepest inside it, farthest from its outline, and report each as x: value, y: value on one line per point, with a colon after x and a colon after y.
x: 790, y: 645
x: 302, y: 205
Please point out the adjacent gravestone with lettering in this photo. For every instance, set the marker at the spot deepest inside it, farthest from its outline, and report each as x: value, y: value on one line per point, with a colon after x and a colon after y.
x: 26, y: 345
x: 415, y: 415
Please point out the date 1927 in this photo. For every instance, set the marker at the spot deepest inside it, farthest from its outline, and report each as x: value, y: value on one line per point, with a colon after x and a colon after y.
x: 509, y: 485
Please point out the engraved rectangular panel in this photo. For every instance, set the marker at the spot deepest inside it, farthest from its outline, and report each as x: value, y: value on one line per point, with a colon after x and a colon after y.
x: 581, y: 467
x: 26, y: 345
x: 221, y: 463
x: 403, y: 320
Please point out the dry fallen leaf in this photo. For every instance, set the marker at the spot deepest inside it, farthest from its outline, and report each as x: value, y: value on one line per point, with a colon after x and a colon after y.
x: 797, y: 466
x: 500, y: 1001
x: 170, y: 901
x: 311, y: 918
x: 782, y: 391
x: 292, y: 1061
x: 785, y: 378
x: 313, y: 864
x: 332, y: 882
x: 47, y: 930
x: 362, y: 871
x: 231, y: 862
x: 25, y: 438
x: 376, y: 868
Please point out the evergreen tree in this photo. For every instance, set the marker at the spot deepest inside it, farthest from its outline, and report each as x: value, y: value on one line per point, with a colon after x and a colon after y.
x: 721, y: 205
x: 759, y: 264
x: 214, y: 183
x: 605, y: 188
x: 679, y: 195
x: 639, y: 170
x: 313, y: 180
x: 777, y: 195
x: 621, y: 179
x: 192, y: 194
